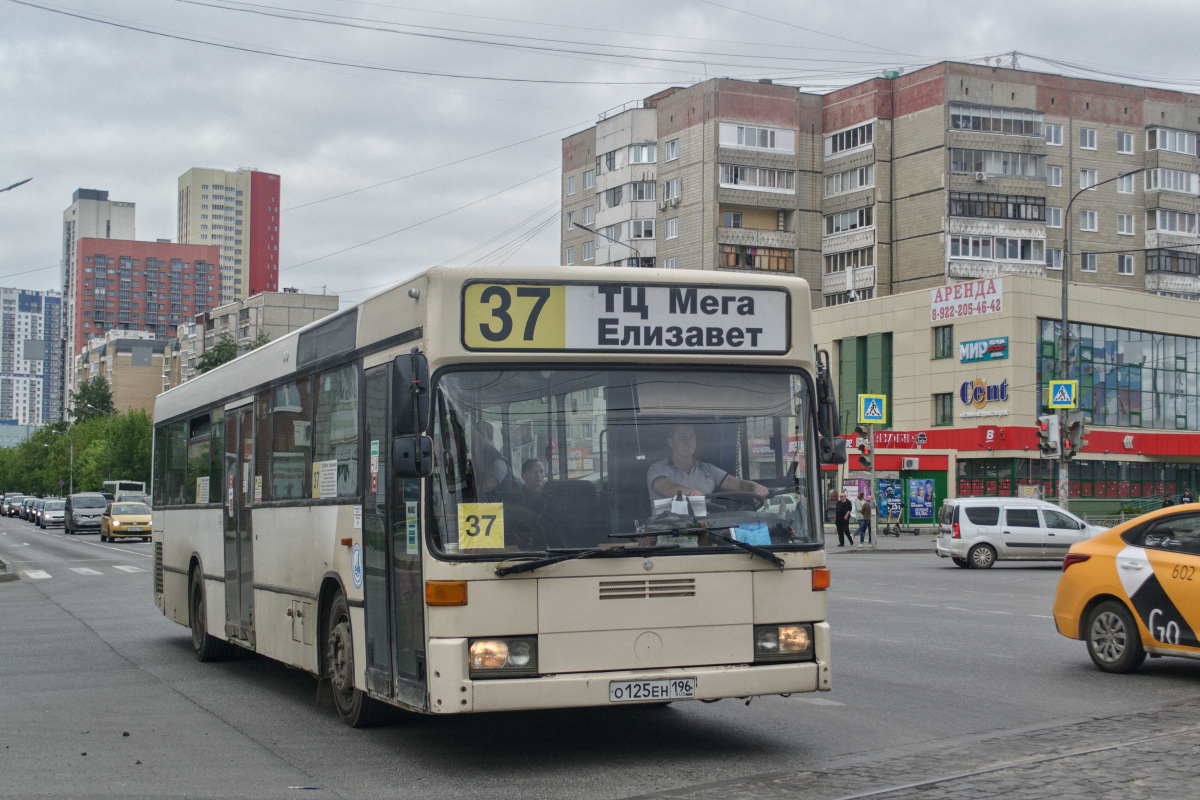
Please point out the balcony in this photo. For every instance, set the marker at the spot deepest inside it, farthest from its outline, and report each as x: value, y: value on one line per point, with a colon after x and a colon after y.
x: 753, y: 237
x: 857, y: 278
x: 850, y: 240
x: 974, y: 226
x: 1173, y: 282
x: 976, y: 268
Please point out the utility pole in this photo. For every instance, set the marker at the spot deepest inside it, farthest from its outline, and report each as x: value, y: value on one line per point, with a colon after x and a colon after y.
x: 871, y: 491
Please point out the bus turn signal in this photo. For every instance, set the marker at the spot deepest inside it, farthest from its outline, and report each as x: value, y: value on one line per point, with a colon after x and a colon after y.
x: 446, y: 593
x: 820, y: 579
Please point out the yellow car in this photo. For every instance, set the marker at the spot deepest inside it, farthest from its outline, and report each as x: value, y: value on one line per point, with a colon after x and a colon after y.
x: 1135, y: 589
x: 125, y: 521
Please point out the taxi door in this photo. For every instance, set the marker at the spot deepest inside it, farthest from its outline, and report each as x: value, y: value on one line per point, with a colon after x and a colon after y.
x: 1163, y: 581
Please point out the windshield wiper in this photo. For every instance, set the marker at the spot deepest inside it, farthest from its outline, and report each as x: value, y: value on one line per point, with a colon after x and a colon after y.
x: 597, y: 552
x: 766, y: 555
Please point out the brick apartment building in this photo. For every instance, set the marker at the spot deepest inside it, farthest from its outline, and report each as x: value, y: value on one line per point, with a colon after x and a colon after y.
x: 951, y: 172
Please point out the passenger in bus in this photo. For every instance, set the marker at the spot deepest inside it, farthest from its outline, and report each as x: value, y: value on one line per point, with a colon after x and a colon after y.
x: 533, y: 475
x: 492, y: 471
x: 682, y: 472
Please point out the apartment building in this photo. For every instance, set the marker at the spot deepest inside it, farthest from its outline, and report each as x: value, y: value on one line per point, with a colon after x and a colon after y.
x: 952, y: 172
x: 130, y: 361
x: 31, y: 352
x: 272, y: 313
x: 238, y: 212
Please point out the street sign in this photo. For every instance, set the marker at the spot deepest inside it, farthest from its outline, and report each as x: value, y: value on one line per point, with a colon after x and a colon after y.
x: 872, y: 409
x: 1064, y: 394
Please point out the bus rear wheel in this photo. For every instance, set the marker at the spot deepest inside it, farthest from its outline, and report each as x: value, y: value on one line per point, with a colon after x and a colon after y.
x: 353, y: 705
x: 206, y: 647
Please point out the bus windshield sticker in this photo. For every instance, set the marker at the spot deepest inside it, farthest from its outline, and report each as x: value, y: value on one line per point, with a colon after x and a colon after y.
x: 202, y: 489
x: 316, y: 480
x: 410, y: 515
x: 358, y: 518
x: 583, y: 317
x: 329, y: 482
x: 258, y: 488
x: 480, y: 526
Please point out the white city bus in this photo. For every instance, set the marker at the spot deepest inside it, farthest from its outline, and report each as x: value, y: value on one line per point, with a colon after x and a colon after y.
x: 349, y: 499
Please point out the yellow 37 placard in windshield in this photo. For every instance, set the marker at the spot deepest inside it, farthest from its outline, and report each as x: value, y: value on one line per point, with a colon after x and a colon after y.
x: 505, y: 316
x: 480, y: 525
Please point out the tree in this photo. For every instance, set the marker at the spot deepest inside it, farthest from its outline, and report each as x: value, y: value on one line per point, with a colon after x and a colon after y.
x: 92, y: 399
x: 226, y: 349
x: 128, y: 444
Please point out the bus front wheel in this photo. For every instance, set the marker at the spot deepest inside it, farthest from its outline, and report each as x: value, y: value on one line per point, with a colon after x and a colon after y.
x: 353, y: 705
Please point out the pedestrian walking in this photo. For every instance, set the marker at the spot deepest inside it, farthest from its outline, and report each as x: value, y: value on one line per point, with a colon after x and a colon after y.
x: 864, y: 522
x: 842, y: 514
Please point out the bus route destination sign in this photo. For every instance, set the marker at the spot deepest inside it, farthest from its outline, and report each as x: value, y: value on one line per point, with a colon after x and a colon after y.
x: 597, y: 317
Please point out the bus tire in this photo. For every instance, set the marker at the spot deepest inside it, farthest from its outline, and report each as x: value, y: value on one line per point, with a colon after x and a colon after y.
x: 354, y: 707
x: 206, y: 647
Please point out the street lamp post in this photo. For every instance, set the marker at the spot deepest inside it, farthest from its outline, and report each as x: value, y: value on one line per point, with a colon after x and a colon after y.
x: 1065, y: 339
x: 617, y: 241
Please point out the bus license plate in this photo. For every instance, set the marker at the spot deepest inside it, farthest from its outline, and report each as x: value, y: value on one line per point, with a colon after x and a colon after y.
x: 632, y: 691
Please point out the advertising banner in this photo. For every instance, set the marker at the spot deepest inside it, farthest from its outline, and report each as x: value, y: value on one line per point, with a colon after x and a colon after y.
x: 891, y: 500
x: 920, y: 499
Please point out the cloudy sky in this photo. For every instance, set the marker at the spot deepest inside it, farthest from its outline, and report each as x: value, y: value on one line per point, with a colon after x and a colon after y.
x: 379, y: 115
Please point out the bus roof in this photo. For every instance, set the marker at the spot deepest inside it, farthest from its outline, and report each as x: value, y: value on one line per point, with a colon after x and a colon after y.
x: 427, y: 306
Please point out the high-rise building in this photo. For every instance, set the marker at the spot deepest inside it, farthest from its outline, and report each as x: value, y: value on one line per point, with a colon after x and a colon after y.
x: 136, y: 286
x: 951, y: 172
x: 131, y: 362
x: 31, y: 354
x: 238, y: 212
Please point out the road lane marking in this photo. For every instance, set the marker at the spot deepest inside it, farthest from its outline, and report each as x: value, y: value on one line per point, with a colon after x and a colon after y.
x: 955, y: 608
x: 85, y: 571
x: 35, y: 574
x: 129, y: 569
x: 108, y: 547
x: 1040, y: 616
x: 819, y: 701
x: 1006, y: 613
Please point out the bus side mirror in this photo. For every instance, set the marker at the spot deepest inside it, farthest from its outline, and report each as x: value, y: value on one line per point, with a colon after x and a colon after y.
x: 410, y: 394
x: 412, y: 456
x: 831, y: 447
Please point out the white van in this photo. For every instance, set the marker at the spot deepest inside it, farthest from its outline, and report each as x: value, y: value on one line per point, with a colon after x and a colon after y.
x: 978, y: 531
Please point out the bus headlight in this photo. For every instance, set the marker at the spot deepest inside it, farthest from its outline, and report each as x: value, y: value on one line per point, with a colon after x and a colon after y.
x: 510, y: 657
x: 783, y: 642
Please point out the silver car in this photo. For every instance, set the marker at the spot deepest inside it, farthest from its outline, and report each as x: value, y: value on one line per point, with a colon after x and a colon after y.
x: 976, y: 532
x: 83, y: 510
x: 53, y: 513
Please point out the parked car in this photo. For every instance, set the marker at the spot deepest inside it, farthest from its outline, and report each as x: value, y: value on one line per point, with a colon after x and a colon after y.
x: 53, y: 512
x: 976, y: 532
x: 26, y: 505
x: 10, y: 503
x: 1135, y: 590
x: 83, y: 510
x: 35, y: 511
x: 125, y: 521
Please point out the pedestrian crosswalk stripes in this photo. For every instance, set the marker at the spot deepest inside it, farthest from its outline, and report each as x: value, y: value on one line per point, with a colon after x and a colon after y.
x: 85, y: 571
x: 124, y: 568
x: 35, y: 574
x: 41, y: 574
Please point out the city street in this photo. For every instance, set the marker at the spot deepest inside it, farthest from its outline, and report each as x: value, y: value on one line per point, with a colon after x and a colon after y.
x: 940, y: 673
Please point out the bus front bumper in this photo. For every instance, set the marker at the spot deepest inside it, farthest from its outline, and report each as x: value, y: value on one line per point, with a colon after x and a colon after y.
x: 451, y: 691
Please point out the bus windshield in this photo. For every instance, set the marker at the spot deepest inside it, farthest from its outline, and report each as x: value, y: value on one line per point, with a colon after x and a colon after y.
x: 539, y: 459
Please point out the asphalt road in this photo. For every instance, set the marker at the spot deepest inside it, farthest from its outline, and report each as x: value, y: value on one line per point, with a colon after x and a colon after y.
x: 100, y: 695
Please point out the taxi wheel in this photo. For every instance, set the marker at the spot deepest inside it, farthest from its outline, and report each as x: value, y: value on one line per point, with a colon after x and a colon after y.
x: 962, y: 562
x: 1113, y: 640
x: 982, y: 556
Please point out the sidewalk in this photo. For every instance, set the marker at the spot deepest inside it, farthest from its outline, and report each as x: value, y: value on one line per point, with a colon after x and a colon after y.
x: 905, y: 543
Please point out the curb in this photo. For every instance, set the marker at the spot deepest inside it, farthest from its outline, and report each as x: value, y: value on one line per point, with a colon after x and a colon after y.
x: 5, y: 575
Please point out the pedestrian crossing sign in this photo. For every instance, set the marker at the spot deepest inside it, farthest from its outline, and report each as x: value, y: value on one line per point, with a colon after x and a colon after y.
x: 872, y: 408
x: 1064, y: 394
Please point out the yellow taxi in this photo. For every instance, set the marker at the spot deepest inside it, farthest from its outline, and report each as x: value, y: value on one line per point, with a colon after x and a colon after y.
x: 1135, y: 589
x: 125, y: 521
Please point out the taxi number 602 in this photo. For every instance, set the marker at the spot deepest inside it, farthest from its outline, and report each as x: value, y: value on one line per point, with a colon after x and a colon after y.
x: 1183, y: 572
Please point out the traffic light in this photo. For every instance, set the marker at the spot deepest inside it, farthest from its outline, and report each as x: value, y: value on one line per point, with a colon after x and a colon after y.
x: 862, y: 438
x: 1049, y: 436
x: 1076, y: 433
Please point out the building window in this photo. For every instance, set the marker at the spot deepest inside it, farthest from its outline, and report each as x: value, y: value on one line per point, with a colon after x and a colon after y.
x: 1054, y: 134
x: 761, y: 178
x: 996, y: 120
x: 613, y: 196
x: 849, y: 220
x: 1087, y: 262
x: 767, y: 259
x: 641, y: 229
x: 997, y: 206
x: 849, y: 181
x: 731, y: 219
x: 1087, y: 138
x: 841, y: 298
x: 670, y: 263
x: 1172, y: 180
x: 671, y: 150
x: 1053, y: 176
x: 642, y: 190
x: 589, y: 179
x: 1125, y: 143
x: 1125, y: 184
x: 1160, y: 219
x: 851, y: 139
x: 1124, y: 264
x: 589, y: 215
x: 995, y: 162
x: 1087, y: 178
x: 849, y: 259
x: 642, y: 154
x: 610, y: 160
x: 1053, y: 217
x: 571, y: 185
x: 1174, y: 141
x: 943, y: 409
x: 673, y: 228
x: 1125, y: 224
x: 570, y: 220
x: 570, y: 255
x: 671, y: 189
x: 589, y: 251
x: 1054, y: 257
x: 1180, y: 262
x: 1087, y: 220
x: 1014, y: 249
x: 970, y: 247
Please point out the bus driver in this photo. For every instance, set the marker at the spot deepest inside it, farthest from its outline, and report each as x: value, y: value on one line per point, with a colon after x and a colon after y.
x: 683, y: 473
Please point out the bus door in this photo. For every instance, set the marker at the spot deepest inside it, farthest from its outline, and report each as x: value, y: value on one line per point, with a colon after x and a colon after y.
x: 239, y: 541
x: 394, y: 602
